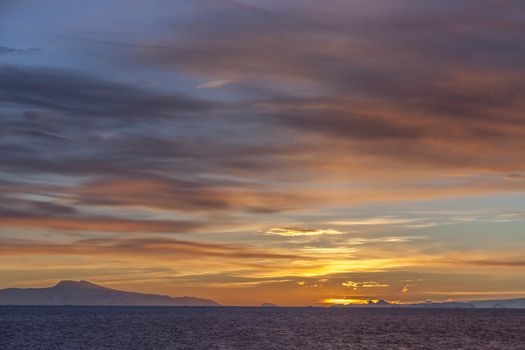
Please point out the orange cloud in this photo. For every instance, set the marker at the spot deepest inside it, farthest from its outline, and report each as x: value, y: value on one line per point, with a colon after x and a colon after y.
x: 102, y: 224
x: 290, y: 231
x: 139, y: 247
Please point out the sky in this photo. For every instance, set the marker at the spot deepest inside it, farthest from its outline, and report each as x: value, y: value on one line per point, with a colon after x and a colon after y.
x: 295, y: 152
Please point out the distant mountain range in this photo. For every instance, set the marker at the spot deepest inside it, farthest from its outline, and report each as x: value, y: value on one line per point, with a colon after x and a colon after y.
x: 86, y: 293
x: 477, y: 304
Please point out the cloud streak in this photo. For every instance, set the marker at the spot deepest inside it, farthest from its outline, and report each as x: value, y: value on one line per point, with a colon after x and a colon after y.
x: 292, y: 232
x: 10, y: 50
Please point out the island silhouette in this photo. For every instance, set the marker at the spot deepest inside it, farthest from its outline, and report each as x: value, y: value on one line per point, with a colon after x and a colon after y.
x: 87, y: 293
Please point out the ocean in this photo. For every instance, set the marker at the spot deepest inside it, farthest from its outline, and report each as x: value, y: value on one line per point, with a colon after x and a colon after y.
x: 166, y: 328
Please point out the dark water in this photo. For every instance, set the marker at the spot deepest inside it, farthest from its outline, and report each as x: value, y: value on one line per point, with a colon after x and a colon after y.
x: 80, y: 328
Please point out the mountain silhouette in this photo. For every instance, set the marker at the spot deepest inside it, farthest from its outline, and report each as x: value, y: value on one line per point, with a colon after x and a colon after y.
x: 87, y: 293
x: 478, y: 304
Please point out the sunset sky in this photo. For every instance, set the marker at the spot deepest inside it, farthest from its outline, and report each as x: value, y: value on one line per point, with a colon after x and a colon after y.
x: 298, y: 152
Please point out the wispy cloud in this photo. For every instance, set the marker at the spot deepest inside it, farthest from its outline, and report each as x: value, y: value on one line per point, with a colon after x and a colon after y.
x: 214, y: 84
x: 372, y: 221
x: 10, y: 50
x: 291, y: 231
x: 140, y: 247
x: 367, y: 284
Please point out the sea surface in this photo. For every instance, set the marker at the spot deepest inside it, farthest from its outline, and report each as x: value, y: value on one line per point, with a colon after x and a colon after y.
x: 163, y: 328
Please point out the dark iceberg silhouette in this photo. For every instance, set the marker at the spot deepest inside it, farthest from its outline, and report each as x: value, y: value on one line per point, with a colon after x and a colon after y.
x: 500, y: 304
x: 269, y: 305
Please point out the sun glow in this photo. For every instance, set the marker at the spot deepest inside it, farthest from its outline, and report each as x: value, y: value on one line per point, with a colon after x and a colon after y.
x: 348, y: 301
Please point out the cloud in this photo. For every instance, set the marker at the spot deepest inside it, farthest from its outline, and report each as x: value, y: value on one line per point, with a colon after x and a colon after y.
x: 140, y: 247
x: 97, y: 224
x: 499, y: 293
x: 81, y: 95
x: 495, y: 263
x: 290, y: 231
x: 32, y: 214
x: 367, y: 284
x: 350, y: 284
x: 403, y: 89
x: 20, y: 208
x: 182, y: 195
x: 372, y: 221
x: 214, y: 84
x: 9, y: 50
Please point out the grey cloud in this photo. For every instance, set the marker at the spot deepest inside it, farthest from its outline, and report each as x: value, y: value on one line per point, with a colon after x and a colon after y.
x: 14, y: 207
x: 9, y: 50
x: 436, y: 71
x: 81, y: 95
x: 430, y: 84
